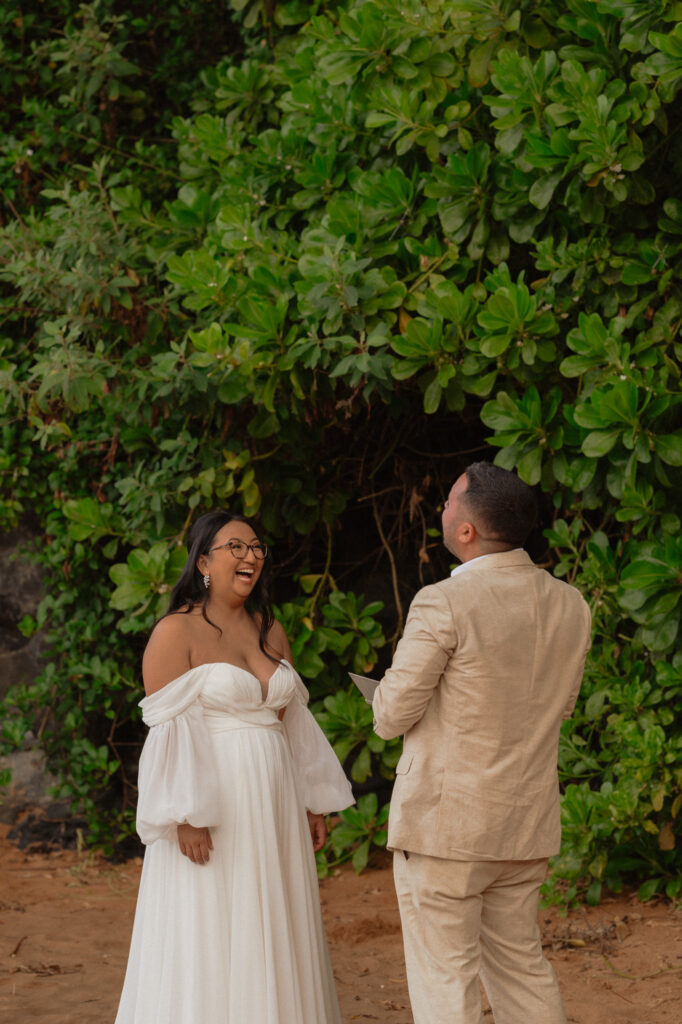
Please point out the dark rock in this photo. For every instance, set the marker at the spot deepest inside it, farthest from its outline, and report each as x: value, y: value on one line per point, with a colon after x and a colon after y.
x: 21, y: 590
x: 39, y: 831
x: 29, y: 787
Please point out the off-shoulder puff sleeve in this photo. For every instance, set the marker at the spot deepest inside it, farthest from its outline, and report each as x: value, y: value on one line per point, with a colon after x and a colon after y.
x: 176, y: 779
x: 320, y: 779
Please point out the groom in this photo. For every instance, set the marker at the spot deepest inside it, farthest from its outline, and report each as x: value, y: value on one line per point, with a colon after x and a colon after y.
x: 490, y: 662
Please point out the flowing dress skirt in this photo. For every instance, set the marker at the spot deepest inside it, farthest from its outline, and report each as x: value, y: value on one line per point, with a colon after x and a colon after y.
x: 239, y: 940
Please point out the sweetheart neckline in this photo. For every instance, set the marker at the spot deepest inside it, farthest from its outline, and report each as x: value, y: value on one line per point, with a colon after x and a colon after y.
x: 231, y: 664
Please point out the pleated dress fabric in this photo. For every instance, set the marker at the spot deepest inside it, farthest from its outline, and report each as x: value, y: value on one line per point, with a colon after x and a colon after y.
x: 239, y: 940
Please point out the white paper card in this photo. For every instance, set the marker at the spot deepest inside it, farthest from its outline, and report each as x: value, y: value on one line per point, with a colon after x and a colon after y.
x: 365, y: 685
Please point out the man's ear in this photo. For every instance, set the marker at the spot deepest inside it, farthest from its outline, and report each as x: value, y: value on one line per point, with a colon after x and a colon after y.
x: 466, y: 533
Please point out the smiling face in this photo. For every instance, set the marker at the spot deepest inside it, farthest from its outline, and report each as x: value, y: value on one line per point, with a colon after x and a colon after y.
x: 232, y: 578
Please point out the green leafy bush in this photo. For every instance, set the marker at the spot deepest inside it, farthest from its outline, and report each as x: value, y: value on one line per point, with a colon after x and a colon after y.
x: 360, y: 828
x: 328, y: 270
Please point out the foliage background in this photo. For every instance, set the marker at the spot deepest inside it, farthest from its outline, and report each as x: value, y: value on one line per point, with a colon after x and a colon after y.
x: 307, y: 261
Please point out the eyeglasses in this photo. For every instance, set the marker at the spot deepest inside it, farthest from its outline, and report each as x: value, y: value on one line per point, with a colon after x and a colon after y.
x: 238, y: 548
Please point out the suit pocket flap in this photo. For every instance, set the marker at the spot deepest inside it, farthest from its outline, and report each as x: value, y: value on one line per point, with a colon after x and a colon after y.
x: 404, y: 764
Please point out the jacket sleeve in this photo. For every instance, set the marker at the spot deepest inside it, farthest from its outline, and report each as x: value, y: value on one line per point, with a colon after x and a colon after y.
x: 320, y: 779
x: 176, y: 779
x: 587, y: 640
x: 427, y: 644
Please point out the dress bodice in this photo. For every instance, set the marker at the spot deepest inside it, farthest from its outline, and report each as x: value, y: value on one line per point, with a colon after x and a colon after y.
x: 177, y: 778
x: 229, y: 689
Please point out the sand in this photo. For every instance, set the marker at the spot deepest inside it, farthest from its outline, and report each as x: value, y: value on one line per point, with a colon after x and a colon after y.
x: 65, y: 922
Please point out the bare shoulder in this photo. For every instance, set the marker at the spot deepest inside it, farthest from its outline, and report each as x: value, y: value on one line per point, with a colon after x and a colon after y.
x: 171, y: 629
x: 167, y: 654
x: 278, y: 641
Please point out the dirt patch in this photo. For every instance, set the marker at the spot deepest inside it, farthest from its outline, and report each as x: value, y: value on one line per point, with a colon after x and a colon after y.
x: 65, y: 923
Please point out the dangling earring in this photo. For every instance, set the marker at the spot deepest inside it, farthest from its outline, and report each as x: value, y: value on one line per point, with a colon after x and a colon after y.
x: 207, y: 580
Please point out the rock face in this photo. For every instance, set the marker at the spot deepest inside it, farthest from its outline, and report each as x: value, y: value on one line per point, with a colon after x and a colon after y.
x: 20, y: 593
x: 21, y: 583
x: 29, y: 787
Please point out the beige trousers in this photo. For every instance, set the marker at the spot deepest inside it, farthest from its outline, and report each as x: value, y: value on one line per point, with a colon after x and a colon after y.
x: 462, y: 919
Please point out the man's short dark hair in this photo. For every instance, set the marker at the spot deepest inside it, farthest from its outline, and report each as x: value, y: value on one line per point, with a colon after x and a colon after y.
x: 504, y: 507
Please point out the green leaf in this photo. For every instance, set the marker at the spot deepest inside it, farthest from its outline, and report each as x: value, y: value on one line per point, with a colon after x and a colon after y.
x: 541, y: 191
x: 362, y: 765
x: 89, y: 518
x: 378, y: 118
x: 648, y: 889
x: 600, y: 442
x: 530, y: 466
x: 593, y: 894
x: 495, y: 345
x: 479, y: 61
x: 669, y: 448
x: 361, y: 856
x: 660, y: 636
x: 432, y: 396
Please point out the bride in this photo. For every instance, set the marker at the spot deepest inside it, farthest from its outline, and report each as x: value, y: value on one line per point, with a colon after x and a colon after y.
x: 235, y: 778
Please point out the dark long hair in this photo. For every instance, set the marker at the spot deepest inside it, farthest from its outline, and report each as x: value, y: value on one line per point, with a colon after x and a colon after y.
x: 190, y: 590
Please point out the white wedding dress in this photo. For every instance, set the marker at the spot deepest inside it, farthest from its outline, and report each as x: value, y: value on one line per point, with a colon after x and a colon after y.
x: 239, y: 940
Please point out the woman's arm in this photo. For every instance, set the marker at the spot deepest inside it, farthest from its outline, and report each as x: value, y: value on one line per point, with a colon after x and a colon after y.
x: 278, y: 640
x: 167, y: 654
x: 278, y: 643
x: 166, y: 657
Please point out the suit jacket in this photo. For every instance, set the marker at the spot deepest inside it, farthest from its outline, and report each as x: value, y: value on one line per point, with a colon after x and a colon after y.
x: 490, y: 662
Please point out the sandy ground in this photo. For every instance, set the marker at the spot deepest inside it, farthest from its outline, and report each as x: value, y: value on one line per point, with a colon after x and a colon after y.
x: 65, y: 923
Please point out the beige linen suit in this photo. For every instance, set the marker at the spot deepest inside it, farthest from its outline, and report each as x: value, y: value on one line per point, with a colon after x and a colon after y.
x: 490, y: 662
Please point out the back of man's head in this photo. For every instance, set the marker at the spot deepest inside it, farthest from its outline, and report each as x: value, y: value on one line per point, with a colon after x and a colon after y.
x: 504, y: 507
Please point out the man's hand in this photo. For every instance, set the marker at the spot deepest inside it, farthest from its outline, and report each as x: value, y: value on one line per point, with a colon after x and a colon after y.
x: 195, y: 843
x: 318, y: 830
